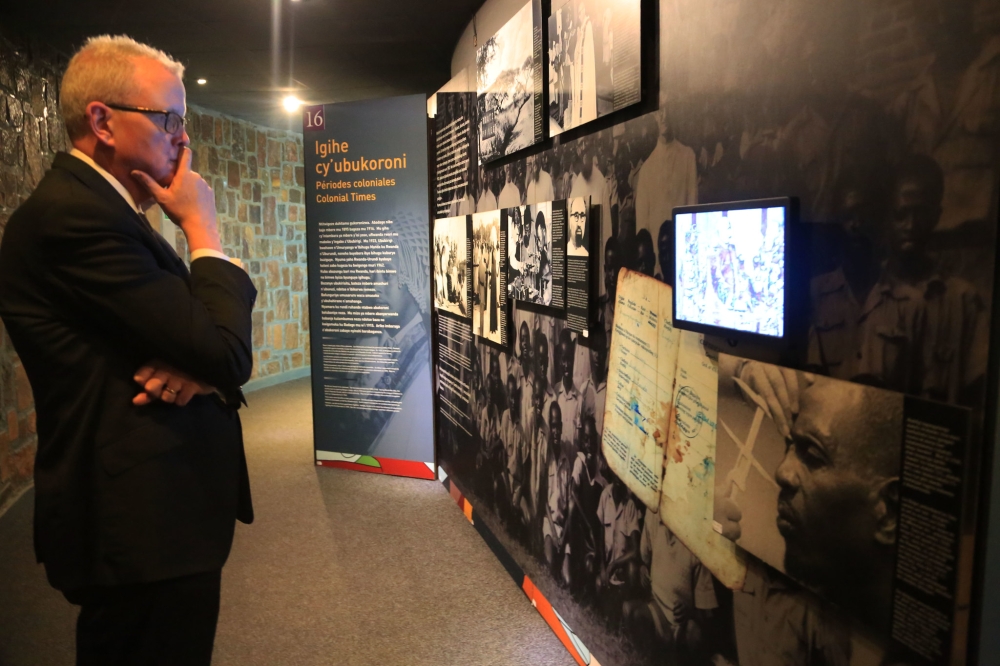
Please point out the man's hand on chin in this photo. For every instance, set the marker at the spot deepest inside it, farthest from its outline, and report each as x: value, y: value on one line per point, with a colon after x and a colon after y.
x: 160, y: 381
x: 188, y: 201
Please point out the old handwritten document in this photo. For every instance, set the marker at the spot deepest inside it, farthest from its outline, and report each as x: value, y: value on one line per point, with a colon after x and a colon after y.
x: 660, y: 420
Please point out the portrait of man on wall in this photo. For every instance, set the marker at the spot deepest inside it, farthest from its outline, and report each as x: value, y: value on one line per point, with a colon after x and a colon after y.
x: 815, y: 495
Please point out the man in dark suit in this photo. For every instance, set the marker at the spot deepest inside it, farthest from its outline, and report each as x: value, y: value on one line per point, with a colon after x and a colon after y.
x: 135, y: 364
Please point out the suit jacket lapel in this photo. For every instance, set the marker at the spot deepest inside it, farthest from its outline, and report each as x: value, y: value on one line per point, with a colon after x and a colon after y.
x: 165, y: 255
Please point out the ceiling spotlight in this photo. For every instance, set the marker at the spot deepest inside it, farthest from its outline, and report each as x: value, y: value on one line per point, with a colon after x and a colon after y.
x: 291, y: 103
x: 202, y: 82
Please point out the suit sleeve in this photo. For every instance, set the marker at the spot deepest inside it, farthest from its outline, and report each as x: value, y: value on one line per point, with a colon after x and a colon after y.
x: 112, y: 278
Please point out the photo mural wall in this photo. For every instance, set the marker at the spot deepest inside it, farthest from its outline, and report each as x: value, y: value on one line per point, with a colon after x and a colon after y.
x: 882, y: 119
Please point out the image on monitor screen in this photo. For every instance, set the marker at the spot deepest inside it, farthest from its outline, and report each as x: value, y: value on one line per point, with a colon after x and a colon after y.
x: 730, y: 270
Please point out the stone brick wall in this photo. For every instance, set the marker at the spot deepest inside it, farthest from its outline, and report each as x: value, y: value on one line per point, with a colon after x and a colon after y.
x: 258, y: 179
x: 30, y: 135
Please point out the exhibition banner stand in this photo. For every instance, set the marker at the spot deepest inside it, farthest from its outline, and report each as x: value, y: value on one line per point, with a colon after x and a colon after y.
x: 368, y: 238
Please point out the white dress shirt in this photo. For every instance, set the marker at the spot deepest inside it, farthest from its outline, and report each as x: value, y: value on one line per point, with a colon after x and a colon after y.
x: 86, y: 159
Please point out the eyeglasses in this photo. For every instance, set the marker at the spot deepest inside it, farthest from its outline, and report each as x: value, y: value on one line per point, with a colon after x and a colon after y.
x: 172, y: 122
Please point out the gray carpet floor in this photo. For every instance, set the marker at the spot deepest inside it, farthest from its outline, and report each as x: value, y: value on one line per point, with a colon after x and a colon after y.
x: 340, y: 567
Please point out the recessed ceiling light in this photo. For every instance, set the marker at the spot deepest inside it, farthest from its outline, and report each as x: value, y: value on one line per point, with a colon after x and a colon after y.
x: 202, y: 82
x: 291, y: 103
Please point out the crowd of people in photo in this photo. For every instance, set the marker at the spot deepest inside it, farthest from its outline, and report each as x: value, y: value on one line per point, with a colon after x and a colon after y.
x: 536, y: 415
x: 900, y: 287
x: 537, y: 412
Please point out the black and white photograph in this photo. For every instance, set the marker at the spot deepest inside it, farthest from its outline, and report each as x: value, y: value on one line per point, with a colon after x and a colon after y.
x: 488, y: 300
x: 594, y: 60
x: 578, y: 238
x: 456, y: 154
x: 895, y: 169
x: 529, y: 252
x: 506, y: 76
x: 451, y: 274
x: 532, y: 467
x: 808, y: 479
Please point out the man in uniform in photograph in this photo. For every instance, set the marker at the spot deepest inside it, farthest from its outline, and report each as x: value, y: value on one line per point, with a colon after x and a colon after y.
x: 536, y: 434
x: 577, y: 246
x: 571, y: 402
x: 606, y: 304
x: 510, y: 195
x: 595, y: 388
x: 679, y: 613
x: 538, y: 443
x: 919, y: 331
x: 776, y: 622
x: 539, y: 182
x: 667, y: 179
x: 520, y: 365
x: 135, y: 364
x: 541, y: 359
x: 619, y: 545
x: 554, y: 524
x: 515, y: 457
x: 477, y: 398
x: 587, y: 484
x: 495, y: 393
x: 838, y: 295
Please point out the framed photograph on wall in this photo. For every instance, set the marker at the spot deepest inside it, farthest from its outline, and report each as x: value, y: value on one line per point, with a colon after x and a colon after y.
x: 509, y: 86
x: 594, y: 60
x: 451, y: 265
x: 489, y: 278
x: 536, y: 254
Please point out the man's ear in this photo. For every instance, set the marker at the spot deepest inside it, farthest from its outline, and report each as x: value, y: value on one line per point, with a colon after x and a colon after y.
x: 98, y: 116
x: 886, y: 511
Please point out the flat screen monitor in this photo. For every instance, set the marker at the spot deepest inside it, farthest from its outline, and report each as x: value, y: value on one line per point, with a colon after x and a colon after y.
x: 730, y: 266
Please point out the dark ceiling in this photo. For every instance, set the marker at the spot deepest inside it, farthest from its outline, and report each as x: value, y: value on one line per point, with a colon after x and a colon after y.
x: 342, y: 49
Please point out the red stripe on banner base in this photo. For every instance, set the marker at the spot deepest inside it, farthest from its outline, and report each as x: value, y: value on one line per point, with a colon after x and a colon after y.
x: 407, y: 468
x: 544, y: 608
x: 413, y: 470
x: 343, y: 464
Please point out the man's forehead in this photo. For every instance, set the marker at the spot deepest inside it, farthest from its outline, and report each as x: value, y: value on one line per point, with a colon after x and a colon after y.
x: 157, y: 83
x: 828, y: 411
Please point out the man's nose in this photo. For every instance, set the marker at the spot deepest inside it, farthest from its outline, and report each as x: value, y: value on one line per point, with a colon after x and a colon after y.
x: 183, y: 139
x: 787, y: 472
